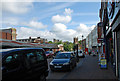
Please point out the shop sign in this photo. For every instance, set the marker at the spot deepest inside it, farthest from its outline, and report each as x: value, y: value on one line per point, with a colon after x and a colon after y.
x: 103, y: 63
x: 111, y: 8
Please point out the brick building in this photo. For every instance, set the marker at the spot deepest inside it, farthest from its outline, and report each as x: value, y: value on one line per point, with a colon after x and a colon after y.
x: 34, y: 40
x: 83, y: 45
x: 9, y: 34
x: 55, y: 40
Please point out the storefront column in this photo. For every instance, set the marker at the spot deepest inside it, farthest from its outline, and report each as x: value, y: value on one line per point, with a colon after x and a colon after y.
x: 116, y: 54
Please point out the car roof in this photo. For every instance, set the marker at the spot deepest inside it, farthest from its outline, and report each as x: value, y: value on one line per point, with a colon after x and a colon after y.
x: 6, y: 51
x: 66, y: 52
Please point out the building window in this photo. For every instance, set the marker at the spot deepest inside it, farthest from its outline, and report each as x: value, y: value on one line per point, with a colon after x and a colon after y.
x: 6, y: 35
x: 11, y: 37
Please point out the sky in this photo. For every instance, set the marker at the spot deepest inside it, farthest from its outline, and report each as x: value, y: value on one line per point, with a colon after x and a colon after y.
x: 59, y: 20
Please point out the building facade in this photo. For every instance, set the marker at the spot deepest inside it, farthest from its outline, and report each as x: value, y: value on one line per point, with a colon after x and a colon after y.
x: 34, y: 40
x: 110, y: 18
x: 83, y: 45
x: 94, y: 40
x: 91, y: 41
x: 55, y: 40
x: 9, y: 34
x: 61, y: 47
x: 75, y: 40
x: 100, y: 45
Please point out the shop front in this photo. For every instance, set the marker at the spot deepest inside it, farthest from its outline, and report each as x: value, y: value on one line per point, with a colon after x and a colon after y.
x: 116, y: 42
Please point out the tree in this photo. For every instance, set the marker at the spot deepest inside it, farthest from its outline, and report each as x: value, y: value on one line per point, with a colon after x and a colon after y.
x: 50, y: 42
x: 68, y: 46
x: 79, y: 42
x: 60, y: 42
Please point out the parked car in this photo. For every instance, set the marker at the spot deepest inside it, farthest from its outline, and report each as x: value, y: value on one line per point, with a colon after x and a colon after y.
x: 63, y: 61
x: 94, y: 54
x: 23, y: 64
x: 81, y: 54
x: 57, y: 52
x: 49, y: 54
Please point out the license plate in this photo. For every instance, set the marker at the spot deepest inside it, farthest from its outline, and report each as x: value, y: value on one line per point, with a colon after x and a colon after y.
x: 58, y: 66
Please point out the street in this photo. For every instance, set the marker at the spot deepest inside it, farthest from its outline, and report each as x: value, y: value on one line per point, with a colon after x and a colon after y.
x: 87, y: 68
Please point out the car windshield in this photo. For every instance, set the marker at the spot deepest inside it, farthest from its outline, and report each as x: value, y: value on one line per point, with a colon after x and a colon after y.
x: 47, y: 52
x: 63, y: 56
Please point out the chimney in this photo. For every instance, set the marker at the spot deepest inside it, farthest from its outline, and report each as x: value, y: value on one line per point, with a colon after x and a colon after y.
x: 38, y: 37
x: 29, y: 37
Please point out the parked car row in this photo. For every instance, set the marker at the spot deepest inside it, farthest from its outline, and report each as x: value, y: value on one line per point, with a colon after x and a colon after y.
x: 80, y: 54
x: 49, y: 54
x: 21, y: 64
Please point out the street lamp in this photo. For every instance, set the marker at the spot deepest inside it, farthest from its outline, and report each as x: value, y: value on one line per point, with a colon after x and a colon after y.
x: 82, y: 42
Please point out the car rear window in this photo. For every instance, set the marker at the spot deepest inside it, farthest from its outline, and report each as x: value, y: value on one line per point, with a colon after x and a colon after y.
x: 47, y: 52
x: 63, y: 55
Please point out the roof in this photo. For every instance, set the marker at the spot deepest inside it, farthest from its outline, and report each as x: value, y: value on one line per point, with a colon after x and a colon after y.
x: 17, y: 49
x: 66, y: 52
x: 14, y: 44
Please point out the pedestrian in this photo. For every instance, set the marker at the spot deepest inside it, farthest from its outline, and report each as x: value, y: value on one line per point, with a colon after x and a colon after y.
x: 89, y: 52
x: 97, y: 52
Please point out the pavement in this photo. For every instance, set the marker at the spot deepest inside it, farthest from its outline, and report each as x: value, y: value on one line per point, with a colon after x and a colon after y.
x: 87, y: 69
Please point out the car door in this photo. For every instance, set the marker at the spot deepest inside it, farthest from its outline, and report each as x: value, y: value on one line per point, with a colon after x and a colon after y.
x: 29, y: 61
x: 11, y: 66
x: 35, y: 62
x: 41, y: 65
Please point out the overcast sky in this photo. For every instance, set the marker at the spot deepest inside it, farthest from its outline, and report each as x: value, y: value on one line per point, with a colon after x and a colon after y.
x: 60, y: 20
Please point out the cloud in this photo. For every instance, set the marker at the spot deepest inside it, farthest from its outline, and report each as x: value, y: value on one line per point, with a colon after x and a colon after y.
x: 10, y: 21
x: 63, y: 33
x: 61, y: 19
x: 66, y: 18
x: 68, y: 11
x: 58, y: 27
x: 85, y: 14
x: 59, y: 31
x: 35, y: 24
x: 12, y: 6
x: 16, y: 22
x: 24, y: 32
x: 84, y: 29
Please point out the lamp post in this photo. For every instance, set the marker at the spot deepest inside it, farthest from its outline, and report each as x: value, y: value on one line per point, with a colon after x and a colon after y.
x: 82, y: 42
